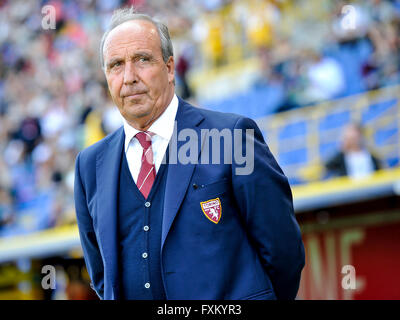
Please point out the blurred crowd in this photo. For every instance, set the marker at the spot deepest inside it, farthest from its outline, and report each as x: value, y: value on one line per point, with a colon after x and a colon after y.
x: 54, y: 100
x: 308, y: 50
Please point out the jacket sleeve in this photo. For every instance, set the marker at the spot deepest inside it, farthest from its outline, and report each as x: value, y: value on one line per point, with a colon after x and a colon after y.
x: 91, y: 252
x: 266, y: 207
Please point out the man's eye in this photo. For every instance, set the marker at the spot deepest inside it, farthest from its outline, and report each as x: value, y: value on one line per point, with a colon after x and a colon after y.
x: 144, y: 59
x: 115, y: 65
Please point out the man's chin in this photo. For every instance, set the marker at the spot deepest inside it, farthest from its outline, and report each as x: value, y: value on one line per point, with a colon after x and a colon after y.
x: 136, y: 109
x: 135, y: 113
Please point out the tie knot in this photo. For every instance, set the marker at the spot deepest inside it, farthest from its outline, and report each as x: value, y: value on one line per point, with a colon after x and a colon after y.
x: 144, y: 138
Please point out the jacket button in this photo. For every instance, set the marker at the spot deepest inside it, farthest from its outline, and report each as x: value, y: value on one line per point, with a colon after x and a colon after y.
x: 144, y: 255
x: 146, y: 228
x: 147, y: 204
x: 147, y: 285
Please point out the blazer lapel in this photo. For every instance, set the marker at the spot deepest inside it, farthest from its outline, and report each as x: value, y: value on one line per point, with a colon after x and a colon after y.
x: 179, y: 175
x: 107, y: 177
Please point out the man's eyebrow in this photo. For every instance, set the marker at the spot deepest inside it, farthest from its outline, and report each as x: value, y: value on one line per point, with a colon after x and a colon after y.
x: 134, y: 56
x: 142, y: 54
x: 113, y: 61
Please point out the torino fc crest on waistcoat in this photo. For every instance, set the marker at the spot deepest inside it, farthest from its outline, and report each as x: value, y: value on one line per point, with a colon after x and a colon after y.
x: 212, y: 209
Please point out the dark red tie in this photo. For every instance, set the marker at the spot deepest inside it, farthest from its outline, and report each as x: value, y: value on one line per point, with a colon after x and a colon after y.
x: 147, y: 173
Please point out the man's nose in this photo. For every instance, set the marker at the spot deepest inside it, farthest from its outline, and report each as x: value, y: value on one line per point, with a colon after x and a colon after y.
x: 130, y: 75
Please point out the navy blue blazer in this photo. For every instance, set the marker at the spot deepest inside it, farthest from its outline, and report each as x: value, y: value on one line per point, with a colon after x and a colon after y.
x: 255, y: 251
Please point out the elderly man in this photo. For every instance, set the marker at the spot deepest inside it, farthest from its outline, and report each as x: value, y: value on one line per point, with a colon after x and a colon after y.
x: 156, y: 225
x: 354, y: 159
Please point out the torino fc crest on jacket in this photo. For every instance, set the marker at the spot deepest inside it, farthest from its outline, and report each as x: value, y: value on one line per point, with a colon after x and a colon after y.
x: 212, y: 209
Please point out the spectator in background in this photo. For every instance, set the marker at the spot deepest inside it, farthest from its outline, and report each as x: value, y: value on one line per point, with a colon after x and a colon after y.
x: 325, y: 78
x: 182, y: 67
x: 354, y: 160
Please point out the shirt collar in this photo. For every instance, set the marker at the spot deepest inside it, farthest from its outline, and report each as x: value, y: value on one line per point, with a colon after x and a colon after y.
x: 163, y: 126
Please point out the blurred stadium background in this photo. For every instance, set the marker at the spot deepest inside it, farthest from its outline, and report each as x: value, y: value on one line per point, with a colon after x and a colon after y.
x: 304, y: 69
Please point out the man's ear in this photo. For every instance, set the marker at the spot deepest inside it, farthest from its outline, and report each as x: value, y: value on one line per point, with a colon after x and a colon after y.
x: 171, y: 69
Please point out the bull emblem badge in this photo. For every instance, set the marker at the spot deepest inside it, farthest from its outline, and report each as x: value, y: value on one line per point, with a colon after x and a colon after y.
x: 212, y: 209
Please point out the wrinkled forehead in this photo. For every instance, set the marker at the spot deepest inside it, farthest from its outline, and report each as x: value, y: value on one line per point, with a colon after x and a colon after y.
x: 131, y: 32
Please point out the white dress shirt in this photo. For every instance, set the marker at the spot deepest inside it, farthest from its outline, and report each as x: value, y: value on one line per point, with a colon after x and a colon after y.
x: 162, y: 128
x: 359, y: 164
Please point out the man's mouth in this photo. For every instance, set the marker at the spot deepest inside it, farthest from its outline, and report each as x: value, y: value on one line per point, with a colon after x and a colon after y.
x: 134, y: 95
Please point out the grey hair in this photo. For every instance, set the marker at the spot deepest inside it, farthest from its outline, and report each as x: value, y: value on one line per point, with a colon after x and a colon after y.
x: 127, y: 14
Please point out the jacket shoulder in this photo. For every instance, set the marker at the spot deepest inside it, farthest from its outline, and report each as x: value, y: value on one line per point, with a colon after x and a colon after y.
x: 217, y: 118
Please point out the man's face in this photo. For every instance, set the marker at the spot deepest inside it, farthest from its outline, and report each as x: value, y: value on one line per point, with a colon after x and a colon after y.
x: 351, y: 139
x: 140, y: 82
